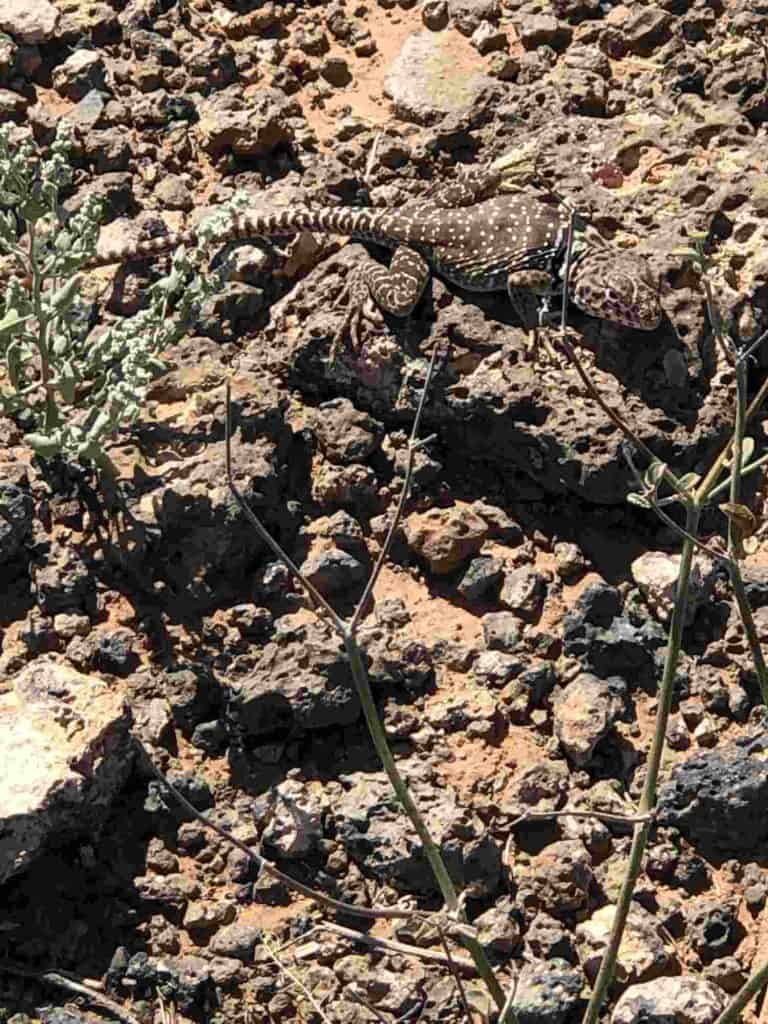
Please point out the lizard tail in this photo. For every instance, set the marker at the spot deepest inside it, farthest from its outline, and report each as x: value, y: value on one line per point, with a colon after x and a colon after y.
x: 360, y: 223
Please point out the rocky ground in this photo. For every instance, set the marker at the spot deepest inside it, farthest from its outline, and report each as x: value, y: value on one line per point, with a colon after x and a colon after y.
x: 518, y: 630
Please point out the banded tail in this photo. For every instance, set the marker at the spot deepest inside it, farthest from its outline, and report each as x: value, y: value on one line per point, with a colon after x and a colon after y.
x: 370, y: 224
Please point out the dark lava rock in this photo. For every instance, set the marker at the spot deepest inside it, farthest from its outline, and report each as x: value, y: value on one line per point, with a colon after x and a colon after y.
x: 547, y: 992
x: 548, y: 939
x: 16, y: 513
x: 185, y: 980
x: 615, y: 646
x: 499, y: 928
x: 346, y: 435
x: 334, y: 571
x: 713, y: 928
x: 301, y: 680
x: 192, y: 787
x: 502, y: 631
x: 211, y: 737
x: 717, y: 800
x: 482, y: 579
x: 64, y: 583
x: 114, y: 653
x: 377, y: 834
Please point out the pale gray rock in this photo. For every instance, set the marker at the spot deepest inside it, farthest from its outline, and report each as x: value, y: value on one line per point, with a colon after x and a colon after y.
x: 585, y: 712
x: 65, y: 752
x: 668, y: 1000
x: 29, y: 21
x: 425, y: 83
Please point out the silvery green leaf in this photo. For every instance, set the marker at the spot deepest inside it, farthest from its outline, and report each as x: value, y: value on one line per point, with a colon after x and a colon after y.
x: 63, y: 297
x: 638, y: 499
x: 45, y: 445
x: 11, y: 322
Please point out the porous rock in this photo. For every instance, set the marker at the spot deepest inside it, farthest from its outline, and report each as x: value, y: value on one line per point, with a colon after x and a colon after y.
x: 547, y: 992
x: 717, y: 799
x: 671, y: 1000
x: 445, y: 537
x: 380, y: 837
x: 300, y: 681
x: 557, y: 880
x: 642, y: 954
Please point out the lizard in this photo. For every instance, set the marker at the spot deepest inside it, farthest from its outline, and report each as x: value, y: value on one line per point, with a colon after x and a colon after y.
x: 469, y: 233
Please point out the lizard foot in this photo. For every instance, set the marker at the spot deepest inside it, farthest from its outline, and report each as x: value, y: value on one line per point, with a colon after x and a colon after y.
x: 540, y: 350
x: 361, y: 309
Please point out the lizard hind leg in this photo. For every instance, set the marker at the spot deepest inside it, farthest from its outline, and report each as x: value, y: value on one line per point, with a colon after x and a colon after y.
x: 372, y: 288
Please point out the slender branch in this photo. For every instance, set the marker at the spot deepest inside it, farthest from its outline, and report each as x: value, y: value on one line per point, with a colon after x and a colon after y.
x: 507, y: 1010
x: 737, y: 451
x: 750, y: 629
x: 398, y: 783
x: 428, y: 955
x: 746, y: 470
x: 709, y: 481
x: 619, y: 819
x: 358, y: 998
x: 717, y: 321
x: 413, y: 445
x: 611, y: 413
x: 747, y: 352
x: 735, y: 548
x: 456, y: 976
x: 756, y: 984
x: 648, y: 798
x: 266, y: 536
x: 61, y: 980
x: 295, y: 980
x: 369, y: 913
x: 354, y: 655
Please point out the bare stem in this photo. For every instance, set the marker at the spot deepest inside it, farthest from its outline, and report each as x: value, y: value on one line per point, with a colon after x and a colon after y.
x: 413, y: 445
x: 368, y: 913
x: 756, y: 984
x: 735, y: 548
x: 618, y: 819
x: 347, y: 632
x: 456, y: 976
x: 648, y: 798
x: 428, y: 955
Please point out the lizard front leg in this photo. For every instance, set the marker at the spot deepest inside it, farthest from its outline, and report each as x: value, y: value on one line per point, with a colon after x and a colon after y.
x: 371, y: 288
x: 524, y: 288
x: 466, y: 191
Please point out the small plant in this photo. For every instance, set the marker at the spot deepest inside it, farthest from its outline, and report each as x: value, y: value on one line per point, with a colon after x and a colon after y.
x: 71, y: 387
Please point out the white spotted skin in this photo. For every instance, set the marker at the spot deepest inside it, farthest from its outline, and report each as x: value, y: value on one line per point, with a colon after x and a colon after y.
x: 474, y: 244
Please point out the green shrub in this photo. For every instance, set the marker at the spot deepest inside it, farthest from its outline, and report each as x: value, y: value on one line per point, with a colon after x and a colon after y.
x: 71, y: 387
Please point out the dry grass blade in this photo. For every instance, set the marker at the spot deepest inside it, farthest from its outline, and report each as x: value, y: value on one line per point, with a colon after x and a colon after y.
x: 295, y: 980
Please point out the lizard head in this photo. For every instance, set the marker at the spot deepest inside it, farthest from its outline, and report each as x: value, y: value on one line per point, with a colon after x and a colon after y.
x: 616, y: 286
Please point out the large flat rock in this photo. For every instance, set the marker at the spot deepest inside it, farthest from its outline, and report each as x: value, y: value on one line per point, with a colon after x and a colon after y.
x: 65, y: 751
x: 434, y: 75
